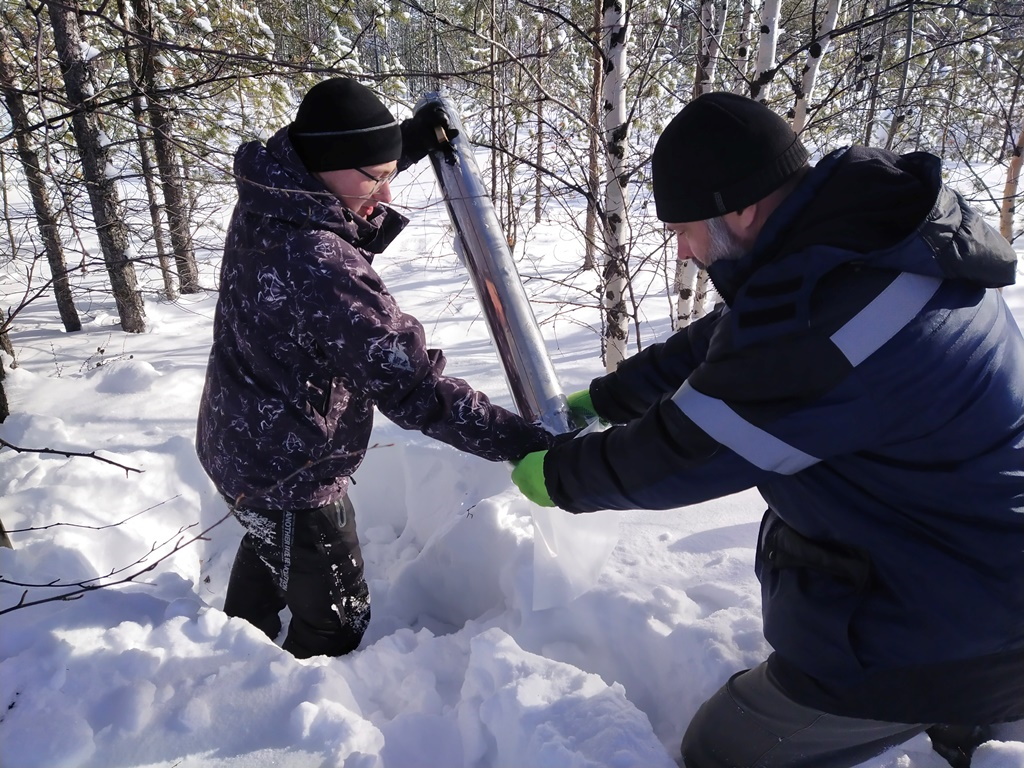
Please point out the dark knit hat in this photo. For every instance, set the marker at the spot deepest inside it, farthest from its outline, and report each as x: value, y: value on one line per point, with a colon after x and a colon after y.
x: 342, y: 124
x: 721, y: 153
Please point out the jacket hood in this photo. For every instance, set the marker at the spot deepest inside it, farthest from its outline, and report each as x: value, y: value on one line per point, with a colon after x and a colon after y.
x: 881, y: 210
x: 273, y: 182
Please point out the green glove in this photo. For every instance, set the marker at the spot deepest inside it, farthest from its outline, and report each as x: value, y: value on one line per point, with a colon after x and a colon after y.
x: 528, y: 476
x: 581, y: 408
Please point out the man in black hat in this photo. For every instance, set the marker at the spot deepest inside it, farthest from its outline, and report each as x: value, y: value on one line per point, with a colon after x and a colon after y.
x: 867, y: 378
x: 306, y: 341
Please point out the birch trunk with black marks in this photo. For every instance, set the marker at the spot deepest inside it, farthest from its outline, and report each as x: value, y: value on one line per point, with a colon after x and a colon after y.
x: 1010, y: 191
x: 616, y: 222
x: 869, y: 122
x: 899, y: 112
x: 690, y: 283
x: 767, y: 43
x: 815, y: 53
x: 594, y: 150
x: 538, y: 191
x: 741, y: 60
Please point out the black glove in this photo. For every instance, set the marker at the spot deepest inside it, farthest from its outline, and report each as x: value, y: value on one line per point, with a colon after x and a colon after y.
x: 420, y: 134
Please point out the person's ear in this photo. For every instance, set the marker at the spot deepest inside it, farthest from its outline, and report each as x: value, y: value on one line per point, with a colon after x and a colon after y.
x: 746, y: 217
x: 744, y: 224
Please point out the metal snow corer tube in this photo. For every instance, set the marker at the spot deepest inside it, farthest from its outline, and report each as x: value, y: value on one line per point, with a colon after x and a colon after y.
x: 483, y: 249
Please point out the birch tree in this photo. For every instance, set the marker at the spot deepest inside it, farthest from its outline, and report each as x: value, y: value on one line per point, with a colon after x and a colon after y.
x: 614, y: 35
x: 767, y: 42
x: 100, y: 181
x: 1008, y: 207
x: 538, y: 179
x: 712, y: 24
x: 741, y: 59
x: 898, y: 109
x: 594, y: 147
x: 690, y: 284
x: 817, y: 49
x: 874, y: 82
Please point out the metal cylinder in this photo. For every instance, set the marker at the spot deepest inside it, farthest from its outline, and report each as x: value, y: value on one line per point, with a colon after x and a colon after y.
x: 483, y: 249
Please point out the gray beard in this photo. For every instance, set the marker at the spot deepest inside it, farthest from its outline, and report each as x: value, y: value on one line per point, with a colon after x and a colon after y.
x: 723, y: 244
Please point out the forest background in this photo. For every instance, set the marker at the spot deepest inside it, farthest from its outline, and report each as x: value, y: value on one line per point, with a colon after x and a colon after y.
x: 122, y: 117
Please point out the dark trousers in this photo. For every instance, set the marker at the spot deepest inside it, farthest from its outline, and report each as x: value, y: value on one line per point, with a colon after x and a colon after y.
x: 310, y: 561
x: 751, y: 723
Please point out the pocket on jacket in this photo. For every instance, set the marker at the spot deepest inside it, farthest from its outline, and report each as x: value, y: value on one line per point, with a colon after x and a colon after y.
x: 810, y: 594
x: 318, y: 396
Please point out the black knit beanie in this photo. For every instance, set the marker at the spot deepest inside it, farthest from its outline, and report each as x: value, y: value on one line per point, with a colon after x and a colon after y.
x: 721, y: 153
x: 342, y: 124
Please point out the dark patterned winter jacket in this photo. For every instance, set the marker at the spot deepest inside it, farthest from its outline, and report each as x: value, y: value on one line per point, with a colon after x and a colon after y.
x: 307, y: 339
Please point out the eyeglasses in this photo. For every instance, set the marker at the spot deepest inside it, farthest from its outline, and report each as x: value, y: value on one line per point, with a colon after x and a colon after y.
x: 379, y: 181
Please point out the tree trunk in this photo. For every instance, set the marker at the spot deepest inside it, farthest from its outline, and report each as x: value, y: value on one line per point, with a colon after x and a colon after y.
x: 148, y: 174
x: 594, y: 151
x: 897, y: 111
x: 145, y: 156
x: 869, y: 126
x: 712, y: 27
x: 5, y: 409
x: 742, y: 58
x: 1009, y: 206
x: 615, y: 276
x: 493, y: 77
x: 766, y: 45
x: 175, y: 199
x: 105, y: 201
x: 690, y: 282
x: 538, y: 183
x: 510, y: 140
x: 705, y: 33
x: 435, y: 36
x: 685, y: 287
x: 822, y: 42
x: 45, y: 218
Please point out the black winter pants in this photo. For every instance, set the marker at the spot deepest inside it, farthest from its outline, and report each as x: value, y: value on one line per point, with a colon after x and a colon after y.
x: 309, y: 560
x: 752, y: 723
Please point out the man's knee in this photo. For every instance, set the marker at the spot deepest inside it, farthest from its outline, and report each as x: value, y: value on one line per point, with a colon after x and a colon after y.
x: 722, y: 736
x: 698, y: 750
x: 750, y: 722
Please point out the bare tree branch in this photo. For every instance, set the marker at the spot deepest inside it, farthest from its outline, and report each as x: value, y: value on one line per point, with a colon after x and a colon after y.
x: 67, y: 454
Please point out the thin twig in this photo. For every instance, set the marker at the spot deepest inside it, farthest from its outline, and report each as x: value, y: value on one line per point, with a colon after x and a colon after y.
x: 68, y: 454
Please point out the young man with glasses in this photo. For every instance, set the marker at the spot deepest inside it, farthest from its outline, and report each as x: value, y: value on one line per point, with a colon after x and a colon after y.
x: 306, y: 341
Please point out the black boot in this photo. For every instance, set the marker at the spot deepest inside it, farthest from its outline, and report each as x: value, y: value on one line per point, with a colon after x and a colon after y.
x: 957, y: 743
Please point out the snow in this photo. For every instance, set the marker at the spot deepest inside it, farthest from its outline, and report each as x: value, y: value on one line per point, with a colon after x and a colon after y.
x: 460, y: 666
x: 203, y: 25
x: 88, y: 51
